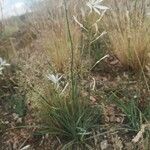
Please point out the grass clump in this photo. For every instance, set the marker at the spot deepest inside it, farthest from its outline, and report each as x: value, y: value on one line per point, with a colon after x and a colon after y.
x: 57, y: 48
x: 52, y: 34
x: 127, y: 25
x: 70, y: 116
x: 135, y: 116
x: 71, y: 120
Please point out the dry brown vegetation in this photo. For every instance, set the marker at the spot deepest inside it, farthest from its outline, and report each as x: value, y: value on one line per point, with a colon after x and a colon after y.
x: 128, y: 30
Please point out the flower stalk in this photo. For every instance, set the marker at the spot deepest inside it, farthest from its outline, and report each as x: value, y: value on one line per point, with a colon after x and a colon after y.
x: 72, y: 50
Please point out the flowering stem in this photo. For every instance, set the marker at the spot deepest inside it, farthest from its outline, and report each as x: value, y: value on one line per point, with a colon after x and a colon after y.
x: 72, y: 49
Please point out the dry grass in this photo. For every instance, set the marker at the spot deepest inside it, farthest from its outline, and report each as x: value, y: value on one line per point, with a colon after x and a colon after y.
x: 56, y: 45
x: 52, y: 34
x: 128, y: 30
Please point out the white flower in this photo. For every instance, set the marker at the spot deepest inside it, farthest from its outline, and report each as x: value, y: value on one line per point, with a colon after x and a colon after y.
x: 2, y: 65
x: 53, y: 78
x: 96, y: 6
x: 3, y: 62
